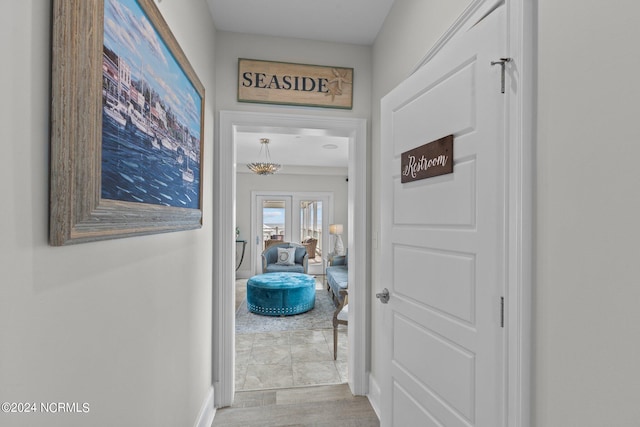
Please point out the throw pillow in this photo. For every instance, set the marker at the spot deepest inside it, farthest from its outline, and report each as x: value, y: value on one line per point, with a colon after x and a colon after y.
x: 286, y: 256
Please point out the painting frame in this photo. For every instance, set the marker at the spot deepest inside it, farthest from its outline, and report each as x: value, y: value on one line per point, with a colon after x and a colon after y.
x: 78, y: 212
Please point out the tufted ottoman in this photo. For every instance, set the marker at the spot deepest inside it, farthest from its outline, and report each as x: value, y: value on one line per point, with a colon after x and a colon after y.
x: 281, y: 294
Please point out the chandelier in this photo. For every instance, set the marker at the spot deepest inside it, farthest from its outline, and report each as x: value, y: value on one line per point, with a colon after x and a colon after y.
x: 267, y: 167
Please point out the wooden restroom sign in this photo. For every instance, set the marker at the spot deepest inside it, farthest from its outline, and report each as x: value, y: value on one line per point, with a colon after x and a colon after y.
x: 429, y: 160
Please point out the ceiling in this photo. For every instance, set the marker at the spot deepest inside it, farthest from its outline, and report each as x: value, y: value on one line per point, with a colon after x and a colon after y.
x: 341, y: 21
x: 294, y: 148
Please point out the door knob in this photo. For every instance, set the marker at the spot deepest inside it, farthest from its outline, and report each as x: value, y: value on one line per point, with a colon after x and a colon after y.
x: 383, y: 296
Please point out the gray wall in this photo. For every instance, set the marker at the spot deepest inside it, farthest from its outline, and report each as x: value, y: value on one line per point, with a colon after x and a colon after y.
x: 586, y: 293
x: 124, y: 325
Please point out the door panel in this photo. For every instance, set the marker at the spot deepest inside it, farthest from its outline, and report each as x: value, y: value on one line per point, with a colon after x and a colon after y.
x: 453, y: 295
x: 455, y: 385
x: 450, y: 96
x: 413, y: 203
x: 407, y: 409
x: 443, y: 240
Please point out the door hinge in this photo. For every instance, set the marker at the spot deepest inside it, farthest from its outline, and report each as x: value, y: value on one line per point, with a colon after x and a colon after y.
x: 502, y: 312
x: 502, y: 62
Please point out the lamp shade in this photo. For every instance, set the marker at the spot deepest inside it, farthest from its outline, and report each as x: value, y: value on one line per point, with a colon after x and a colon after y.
x: 335, y: 229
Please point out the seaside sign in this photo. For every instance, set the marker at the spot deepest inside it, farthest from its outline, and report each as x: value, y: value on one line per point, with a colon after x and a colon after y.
x: 294, y: 84
x: 429, y: 160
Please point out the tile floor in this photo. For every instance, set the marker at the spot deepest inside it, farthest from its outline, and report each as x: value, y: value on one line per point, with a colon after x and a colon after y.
x: 290, y: 359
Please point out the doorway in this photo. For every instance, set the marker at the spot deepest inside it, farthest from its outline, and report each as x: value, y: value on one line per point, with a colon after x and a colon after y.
x: 224, y: 256
x: 291, y: 351
x: 296, y: 217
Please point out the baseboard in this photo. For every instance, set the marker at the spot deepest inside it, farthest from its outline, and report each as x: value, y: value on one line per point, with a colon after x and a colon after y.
x: 374, y: 395
x: 207, y: 411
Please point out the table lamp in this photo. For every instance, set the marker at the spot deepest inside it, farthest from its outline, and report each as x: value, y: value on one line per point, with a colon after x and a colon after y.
x: 336, y: 230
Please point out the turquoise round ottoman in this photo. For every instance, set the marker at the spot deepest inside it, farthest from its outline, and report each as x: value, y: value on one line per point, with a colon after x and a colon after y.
x: 281, y: 294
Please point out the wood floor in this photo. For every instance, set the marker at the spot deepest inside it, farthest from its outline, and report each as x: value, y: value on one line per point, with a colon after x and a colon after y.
x: 332, y: 405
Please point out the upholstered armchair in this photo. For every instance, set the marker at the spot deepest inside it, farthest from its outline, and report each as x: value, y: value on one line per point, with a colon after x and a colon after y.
x: 295, y: 260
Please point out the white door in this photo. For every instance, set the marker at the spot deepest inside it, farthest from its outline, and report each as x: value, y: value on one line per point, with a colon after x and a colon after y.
x: 293, y: 216
x: 273, y: 220
x: 443, y: 240
x: 311, y: 218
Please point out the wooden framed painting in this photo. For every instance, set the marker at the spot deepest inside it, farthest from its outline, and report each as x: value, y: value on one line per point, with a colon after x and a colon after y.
x: 126, y: 124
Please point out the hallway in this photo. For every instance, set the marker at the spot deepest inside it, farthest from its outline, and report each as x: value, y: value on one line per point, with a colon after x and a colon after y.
x: 332, y: 405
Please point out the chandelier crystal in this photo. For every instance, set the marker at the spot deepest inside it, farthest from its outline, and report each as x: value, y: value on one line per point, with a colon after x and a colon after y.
x: 267, y: 167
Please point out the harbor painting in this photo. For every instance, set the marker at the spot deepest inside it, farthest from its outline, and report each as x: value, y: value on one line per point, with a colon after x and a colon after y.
x: 151, y: 115
x: 127, y: 123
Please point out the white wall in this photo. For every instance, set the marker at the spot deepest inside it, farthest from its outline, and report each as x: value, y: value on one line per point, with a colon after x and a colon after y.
x: 246, y: 183
x: 586, y: 287
x: 124, y: 325
x: 587, y: 338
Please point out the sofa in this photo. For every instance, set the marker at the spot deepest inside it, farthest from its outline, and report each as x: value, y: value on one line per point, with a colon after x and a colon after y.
x: 337, y: 274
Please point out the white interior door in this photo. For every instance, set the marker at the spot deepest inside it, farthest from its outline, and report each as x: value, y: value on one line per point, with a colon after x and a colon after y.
x: 443, y: 240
